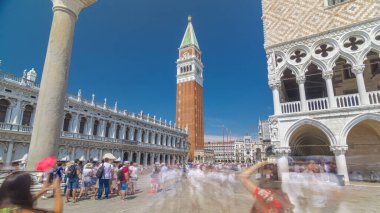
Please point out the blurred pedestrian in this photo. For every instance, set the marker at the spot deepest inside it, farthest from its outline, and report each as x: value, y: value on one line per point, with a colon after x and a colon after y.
x: 15, y: 195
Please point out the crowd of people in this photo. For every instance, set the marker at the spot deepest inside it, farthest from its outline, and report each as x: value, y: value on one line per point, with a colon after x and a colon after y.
x: 308, y: 185
x: 97, y: 180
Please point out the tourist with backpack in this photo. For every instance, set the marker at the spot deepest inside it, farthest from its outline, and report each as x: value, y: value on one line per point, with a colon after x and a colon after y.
x: 72, y: 174
x: 104, y: 174
x: 123, y: 176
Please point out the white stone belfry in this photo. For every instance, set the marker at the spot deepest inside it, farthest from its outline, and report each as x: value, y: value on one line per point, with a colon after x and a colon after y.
x: 50, y: 105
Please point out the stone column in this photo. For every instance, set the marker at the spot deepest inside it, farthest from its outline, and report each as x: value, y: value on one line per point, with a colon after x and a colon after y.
x: 131, y: 136
x: 113, y: 130
x: 49, y: 112
x: 16, y: 113
x: 146, y: 137
x: 130, y: 157
x: 169, y: 159
x: 158, y: 139
x: 9, y: 152
x: 138, y: 158
x: 163, y: 142
x: 72, y: 157
x: 139, y: 136
x: 90, y: 126
x: 301, y: 86
x: 145, y: 159
x: 100, y: 155
x: 341, y: 164
x: 358, y: 71
x: 75, y: 124
x: 103, y: 124
x: 152, y: 138
x: 328, y: 75
x: 122, y: 133
x: 88, y: 154
x: 152, y: 155
x: 33, y: 115
x: 282, y: 161
x: 275, y: 86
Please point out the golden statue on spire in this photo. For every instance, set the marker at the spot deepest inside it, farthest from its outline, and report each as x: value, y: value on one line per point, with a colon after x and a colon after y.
x: 189, y: 18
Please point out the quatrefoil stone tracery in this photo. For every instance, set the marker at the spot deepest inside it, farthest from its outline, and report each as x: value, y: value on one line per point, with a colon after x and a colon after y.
x: 298, y: 55
x: 353, y: 43
x: 324, y: 50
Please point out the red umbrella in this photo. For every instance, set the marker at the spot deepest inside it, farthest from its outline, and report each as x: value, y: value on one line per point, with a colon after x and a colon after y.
x: 46, y: 163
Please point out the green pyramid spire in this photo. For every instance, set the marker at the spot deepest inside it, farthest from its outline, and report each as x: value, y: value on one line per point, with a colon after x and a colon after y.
x: 189, y: 38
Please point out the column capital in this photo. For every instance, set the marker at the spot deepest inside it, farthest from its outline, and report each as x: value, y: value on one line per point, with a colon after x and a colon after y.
x: 75, y: 6
x: 359, y: 69
x: 339, y: 150
x: 274, y: 84
x: 301, y: 79
x: 328, y: 75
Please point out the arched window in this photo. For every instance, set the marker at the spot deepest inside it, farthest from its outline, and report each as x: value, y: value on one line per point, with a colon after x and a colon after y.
x: 27, y: 115
x: 95, y: 129
x: 4, y: 104
x: 108, y: 126
x: 117, y: 131
x: 66, y: 122
x: 82, y: 125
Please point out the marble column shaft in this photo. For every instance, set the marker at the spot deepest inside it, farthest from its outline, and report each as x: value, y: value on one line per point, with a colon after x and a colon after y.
x: 52, y: 93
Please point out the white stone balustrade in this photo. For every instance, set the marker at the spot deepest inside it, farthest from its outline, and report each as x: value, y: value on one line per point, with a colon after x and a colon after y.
x: 345, y: 101
x: 318, y: 104
x: 291, y: 107
x: 374, y: 97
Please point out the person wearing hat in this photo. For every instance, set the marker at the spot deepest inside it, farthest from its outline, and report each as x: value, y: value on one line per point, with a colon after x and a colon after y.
x: 133, y: 170
x: 86, y: 179
x: 123, y: 176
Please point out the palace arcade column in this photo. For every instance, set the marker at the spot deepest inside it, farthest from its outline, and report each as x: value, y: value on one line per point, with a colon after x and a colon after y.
x: 301, y: 84
x: 328, y: 75
x: 49, y: 112
x: 282, y: 160
x: 341, y: 164
x: 275, y: 86
x: 358, y: 71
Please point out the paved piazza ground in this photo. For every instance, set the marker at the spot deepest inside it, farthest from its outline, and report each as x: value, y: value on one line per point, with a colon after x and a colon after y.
x: 182, y: 197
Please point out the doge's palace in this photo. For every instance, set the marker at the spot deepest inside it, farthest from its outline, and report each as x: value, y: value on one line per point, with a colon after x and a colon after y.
x: 324, y: 72
x: 89, y: 129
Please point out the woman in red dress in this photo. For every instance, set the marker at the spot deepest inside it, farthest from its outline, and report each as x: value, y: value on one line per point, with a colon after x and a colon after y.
x: 268, y: 194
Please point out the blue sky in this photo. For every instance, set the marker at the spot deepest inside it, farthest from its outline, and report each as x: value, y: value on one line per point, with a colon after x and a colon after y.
x: 125, y: 51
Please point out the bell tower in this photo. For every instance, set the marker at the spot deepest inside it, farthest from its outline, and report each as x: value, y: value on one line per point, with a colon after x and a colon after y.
x: 189, y: 112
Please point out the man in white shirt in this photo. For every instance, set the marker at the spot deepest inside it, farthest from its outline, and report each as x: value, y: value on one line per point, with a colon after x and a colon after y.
x: 133, y: 169
x: 105, y: 179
